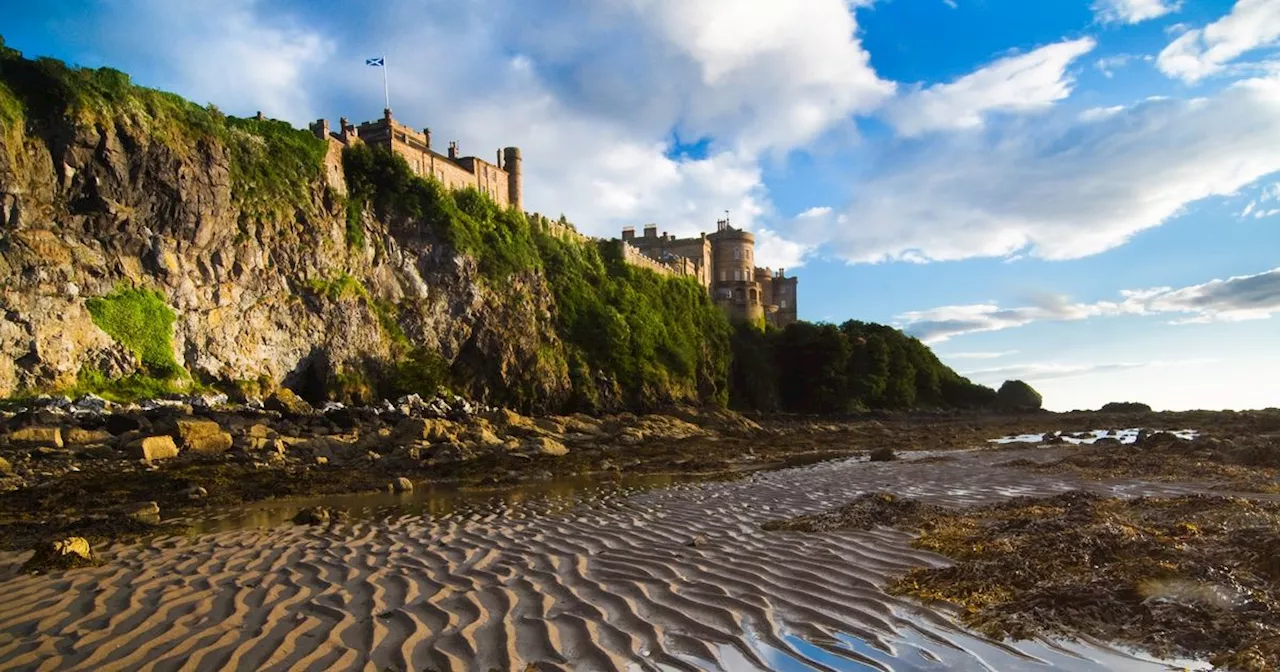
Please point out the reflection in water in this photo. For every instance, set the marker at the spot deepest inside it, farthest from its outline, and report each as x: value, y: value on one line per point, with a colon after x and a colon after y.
x: 438, y: 501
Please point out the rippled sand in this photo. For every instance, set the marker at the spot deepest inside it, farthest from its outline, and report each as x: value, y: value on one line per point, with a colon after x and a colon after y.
x: 612, y: 583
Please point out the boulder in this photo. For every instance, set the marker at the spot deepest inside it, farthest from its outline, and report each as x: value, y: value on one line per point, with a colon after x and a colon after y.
x: 402, y: 484
x: 6, y: 469
x: 154, y: 448
x: 147, y: 512
x: 204, y: 437
x: 630, y: 436
x: 884, y: 454
x: 84, y: 437
x: 549, y: 425
x: 483, y: 437
x: 285, y: 400
x: 543, y: 445
x: 120, y: 423
x: 196, y: 493
x: 36, y: 437
x: 413, y: 430
x: 316, y: 515
x: 514, y: 423
x: 261, y: 431
x: 67, y: 553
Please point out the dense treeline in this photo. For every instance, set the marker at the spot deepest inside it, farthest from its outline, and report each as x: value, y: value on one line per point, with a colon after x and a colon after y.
x: 824, y: 368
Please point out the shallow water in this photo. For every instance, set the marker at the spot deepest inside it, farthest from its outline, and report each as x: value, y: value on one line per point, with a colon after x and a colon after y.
x: 1129, y: 435
x: 575, y: 575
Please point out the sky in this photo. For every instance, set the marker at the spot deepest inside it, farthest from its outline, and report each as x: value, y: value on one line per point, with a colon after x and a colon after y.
x: 1081, y: 194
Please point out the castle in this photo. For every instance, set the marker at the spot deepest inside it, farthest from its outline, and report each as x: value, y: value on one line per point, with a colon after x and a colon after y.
x: 499, y: 181
x: 722, y: 262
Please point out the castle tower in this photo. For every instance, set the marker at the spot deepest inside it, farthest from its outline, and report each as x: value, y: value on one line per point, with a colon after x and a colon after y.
x: 515, y: 189
x: 733, y: 279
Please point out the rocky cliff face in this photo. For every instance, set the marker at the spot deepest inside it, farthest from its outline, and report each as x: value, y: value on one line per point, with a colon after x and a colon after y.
x: 89, y: 208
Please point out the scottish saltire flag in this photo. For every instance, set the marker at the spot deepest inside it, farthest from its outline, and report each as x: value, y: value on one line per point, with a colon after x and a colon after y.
x: 376, y: 62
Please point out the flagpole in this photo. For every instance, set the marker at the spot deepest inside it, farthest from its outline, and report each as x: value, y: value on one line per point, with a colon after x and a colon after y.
x: 386, y: 92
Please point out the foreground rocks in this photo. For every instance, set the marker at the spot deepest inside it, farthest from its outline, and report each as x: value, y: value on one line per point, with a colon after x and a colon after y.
x: 1185, y: 576
x: 62, y: 554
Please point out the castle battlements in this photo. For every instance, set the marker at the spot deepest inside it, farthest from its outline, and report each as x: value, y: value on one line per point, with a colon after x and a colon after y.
x: 500, y: 180
x: 723, y: 262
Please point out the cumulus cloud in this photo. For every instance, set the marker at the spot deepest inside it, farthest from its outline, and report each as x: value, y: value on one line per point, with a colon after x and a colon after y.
x: 1060, y: 186
x: 1133, y: 11
x: 1023, y: 83
x: 232, y: 54
x: 1201, y: 52
x: 1244, y: 297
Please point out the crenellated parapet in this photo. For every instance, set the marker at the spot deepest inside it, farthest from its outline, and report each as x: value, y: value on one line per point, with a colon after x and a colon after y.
x: 499, y: 180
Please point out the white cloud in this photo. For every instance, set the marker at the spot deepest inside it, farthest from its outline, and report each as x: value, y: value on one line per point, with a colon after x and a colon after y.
x: 978, y: 355
x: 1023, y: 83
x: 1199, y: 53
x: 1053, y: 370
x: 1133, y: 11
x: 1058, y: 187
x: 1244, y: 297
x: 230, y: 54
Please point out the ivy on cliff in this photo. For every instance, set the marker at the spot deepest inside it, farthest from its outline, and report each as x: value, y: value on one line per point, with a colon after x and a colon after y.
x: 625, y: 332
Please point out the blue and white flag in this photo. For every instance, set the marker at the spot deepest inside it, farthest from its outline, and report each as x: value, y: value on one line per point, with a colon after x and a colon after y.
x: 375, y: 62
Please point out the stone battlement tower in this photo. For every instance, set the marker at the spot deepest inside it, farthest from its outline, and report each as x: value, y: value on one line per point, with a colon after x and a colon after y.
x: 499, y: 181
x: 724, y: 263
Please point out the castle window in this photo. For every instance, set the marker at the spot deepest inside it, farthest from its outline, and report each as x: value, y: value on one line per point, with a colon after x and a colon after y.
x: 724, y: 276
x: 737, y: 253
x: 784, y: 303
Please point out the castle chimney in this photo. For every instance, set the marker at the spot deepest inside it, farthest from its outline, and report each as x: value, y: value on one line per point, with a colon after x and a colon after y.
x: 499, y: 163
x: 628, y: 232
x: 386, y: 113
x: 427, y: 133
x: 453, y: 150
x: 650, y: 230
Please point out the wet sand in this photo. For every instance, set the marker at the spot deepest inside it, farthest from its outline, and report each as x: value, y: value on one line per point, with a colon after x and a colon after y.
x: 674, y: 578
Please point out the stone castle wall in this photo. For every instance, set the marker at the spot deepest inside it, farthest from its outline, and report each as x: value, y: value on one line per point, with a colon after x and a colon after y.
x: 451, y: 170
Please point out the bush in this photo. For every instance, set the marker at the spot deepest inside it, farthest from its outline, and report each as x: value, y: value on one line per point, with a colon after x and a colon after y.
x: 1124, y: 407
x: 1017, y: 395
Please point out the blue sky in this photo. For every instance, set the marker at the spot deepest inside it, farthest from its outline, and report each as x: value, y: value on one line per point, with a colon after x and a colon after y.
x: 1084, y: 194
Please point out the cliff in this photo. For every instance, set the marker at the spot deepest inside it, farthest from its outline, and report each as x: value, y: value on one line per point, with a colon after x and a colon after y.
x: 150, y: 244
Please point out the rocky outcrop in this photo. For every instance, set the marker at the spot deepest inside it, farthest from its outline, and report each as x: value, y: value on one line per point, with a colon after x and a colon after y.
x: 259, y: 302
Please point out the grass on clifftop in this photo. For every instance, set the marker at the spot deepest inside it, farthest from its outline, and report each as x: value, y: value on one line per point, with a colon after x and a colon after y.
x: 273, y: 165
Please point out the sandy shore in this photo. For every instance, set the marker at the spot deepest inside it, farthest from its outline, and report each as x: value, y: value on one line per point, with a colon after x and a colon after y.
x: 677, y: 578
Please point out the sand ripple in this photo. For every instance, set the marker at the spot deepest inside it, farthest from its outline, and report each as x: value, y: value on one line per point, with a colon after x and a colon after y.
x: 612, y: 583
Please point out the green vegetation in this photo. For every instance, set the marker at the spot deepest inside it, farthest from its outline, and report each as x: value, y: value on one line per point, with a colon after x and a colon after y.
x: 273, y: 166
x: 339, y: 287
x: 140, y: 320
x: 500, y: 240
x: 625, y: 331
x: 1015, y: 394
x: 657, y: 336
x: 824, y: 368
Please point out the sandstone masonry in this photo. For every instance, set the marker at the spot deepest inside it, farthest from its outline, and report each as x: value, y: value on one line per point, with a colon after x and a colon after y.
x: 500, y: 181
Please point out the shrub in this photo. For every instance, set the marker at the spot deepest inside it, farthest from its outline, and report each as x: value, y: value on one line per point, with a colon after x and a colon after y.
x: 1015, y: 394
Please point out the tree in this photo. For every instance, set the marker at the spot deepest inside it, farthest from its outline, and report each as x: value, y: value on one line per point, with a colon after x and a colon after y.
x: 1015, y: 394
